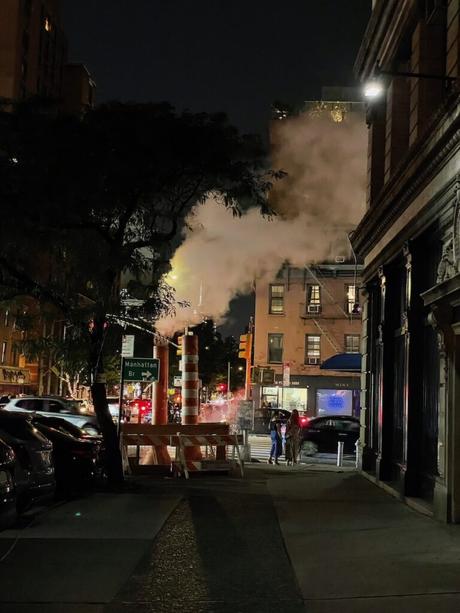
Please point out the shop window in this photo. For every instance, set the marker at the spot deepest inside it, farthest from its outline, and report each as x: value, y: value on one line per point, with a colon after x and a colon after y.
x: 275, y: 348
x: 276, y: 299
x: 334, y: 402
x: 312, y: 349
x: 352, y: 342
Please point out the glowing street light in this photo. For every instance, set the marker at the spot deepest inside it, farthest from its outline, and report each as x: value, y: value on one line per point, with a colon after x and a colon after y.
x: 373, y: 89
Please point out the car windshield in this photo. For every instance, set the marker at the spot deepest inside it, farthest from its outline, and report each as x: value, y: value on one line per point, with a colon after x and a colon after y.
x: 73, y: 406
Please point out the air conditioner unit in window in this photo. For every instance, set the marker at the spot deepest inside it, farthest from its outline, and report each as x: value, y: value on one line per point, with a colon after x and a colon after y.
x: 312, y: 361
x: 314, y: 309
x: 339, y: 259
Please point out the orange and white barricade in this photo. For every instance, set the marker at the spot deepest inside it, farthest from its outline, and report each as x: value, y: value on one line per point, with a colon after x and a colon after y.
x: 209, y: 441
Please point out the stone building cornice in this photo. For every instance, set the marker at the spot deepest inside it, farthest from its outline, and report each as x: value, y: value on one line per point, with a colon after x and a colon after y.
x: 439, y: 142
x: 383, y: 35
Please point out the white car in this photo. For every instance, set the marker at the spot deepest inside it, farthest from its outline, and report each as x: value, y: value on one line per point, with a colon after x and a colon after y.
x: 53, y: 406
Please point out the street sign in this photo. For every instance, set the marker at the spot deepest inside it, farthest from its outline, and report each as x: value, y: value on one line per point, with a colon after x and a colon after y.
x: 141, y: 369
x: 127, y: 346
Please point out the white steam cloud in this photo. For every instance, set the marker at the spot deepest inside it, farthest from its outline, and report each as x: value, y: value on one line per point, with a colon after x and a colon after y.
x: 320, y: 200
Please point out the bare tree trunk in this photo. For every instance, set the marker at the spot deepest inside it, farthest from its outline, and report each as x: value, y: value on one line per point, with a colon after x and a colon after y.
x: 114, y: 464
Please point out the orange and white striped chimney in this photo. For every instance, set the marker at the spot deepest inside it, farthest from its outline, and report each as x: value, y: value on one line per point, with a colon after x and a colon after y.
x: 190, y: 381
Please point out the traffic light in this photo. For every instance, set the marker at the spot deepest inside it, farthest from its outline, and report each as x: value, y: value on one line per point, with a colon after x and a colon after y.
x: 179, y: 342
x: 245, y: 346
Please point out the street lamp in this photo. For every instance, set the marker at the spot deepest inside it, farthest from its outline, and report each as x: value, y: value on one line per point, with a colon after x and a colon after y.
x: 374, y: 88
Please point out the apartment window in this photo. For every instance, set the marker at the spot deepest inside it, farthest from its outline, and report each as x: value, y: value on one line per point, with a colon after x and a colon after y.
x: 352, y: 343
x: 312, y: 348
x: 350, y: 298
x: 276, y: 299
x: 314, y: 294
x: 3, y: 356
x: 275, y: 348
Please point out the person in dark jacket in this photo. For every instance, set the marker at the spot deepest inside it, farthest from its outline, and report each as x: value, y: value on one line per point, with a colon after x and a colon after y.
x: 275, y: 435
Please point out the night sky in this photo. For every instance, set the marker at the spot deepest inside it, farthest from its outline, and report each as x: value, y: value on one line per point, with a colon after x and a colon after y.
x: 212, y: 55
x: 237, y: 56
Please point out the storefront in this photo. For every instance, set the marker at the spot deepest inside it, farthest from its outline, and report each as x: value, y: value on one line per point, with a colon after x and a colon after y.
x: 14, y: 381
x: 315, y: 396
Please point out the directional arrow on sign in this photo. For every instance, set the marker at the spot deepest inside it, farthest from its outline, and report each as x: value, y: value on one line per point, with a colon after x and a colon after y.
x: 147, y: 375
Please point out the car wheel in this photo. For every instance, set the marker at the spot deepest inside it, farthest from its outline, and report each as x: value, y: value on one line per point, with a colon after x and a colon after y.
x: 309, y: 448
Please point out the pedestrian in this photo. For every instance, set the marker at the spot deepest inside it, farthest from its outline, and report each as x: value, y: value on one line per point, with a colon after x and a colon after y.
x: 275, y: 435
x: 292, y: 436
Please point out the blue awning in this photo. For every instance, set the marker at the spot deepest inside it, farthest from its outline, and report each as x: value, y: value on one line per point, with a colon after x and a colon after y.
x: 344, y: 362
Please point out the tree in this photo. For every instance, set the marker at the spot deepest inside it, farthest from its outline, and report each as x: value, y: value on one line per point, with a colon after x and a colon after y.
x: 98, y: 203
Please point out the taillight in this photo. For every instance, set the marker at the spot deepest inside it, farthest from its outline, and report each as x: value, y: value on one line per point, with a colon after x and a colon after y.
x: 304, y: 421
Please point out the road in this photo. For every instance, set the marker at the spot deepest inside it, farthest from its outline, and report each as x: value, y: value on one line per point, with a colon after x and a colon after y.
x: 260, y: 451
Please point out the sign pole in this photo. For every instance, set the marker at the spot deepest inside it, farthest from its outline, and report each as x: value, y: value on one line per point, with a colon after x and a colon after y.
x: 120, y: 405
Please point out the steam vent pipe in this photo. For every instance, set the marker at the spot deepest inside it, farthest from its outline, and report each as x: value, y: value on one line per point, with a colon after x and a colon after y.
x: 190, y: 388
x: 190, y: 383
x: 160, y: 399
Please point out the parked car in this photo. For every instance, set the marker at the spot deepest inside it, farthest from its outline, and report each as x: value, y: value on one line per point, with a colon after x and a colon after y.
x: 322, y: 434
x: 8, y: 494
x: 34, y: 470
x: 76, y: 460
x: 53, y: 406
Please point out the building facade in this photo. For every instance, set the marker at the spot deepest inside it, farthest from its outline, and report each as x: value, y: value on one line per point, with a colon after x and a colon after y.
x: 34, y: 57
x: 303, y: 317
x: 409, y: 240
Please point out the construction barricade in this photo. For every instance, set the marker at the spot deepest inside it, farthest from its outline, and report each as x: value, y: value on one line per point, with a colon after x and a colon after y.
x: 212, y: 439
x: 210, y: 462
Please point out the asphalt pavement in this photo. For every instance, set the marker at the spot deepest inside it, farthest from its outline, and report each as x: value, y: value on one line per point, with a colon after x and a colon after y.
x: 313, y: 539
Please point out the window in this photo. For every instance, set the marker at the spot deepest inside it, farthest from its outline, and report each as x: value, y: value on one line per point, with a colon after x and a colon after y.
x: 350, y: 298
x: 3, y: 356
x: 313, y: 294
x: 47, y: 24
x: 275, y: 348
x: 312, y: 349
x: 352, y: 343
x: 7, y: 317
x: 276, y: 299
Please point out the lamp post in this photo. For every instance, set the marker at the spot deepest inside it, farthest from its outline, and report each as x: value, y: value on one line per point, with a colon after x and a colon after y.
x: 374, y: 88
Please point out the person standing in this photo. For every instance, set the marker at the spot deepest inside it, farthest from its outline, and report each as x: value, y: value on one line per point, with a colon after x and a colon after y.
x: 275, y: 435
x: 293, y: 432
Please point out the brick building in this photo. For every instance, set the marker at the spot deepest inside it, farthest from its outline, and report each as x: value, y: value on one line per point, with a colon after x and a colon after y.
x: 34, y: 62
x: 409, y: 240
x: 34, y: 56
x: 303, y: 317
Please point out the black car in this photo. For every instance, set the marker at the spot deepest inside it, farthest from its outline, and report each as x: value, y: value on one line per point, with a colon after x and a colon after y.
x: 34, y: 470
x: 75, y: 459
x: 8, y: 502
x: 322, y: 434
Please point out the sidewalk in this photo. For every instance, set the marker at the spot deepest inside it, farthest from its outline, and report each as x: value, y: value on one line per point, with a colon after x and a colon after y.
x: 78, y: 555
x: 356, y: 549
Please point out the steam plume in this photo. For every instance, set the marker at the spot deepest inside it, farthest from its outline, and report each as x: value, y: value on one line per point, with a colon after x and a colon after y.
x: 321, y: 199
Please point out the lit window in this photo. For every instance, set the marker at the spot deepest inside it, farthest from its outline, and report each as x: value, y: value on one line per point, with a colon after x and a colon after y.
x: 312, y: 348
x: 3, y: 356
x: 351, y: 343
x: 277, y: 299
x: 350, y: 298
x: 314, y: 294
x: 47, y: 24
x: 275, y: 348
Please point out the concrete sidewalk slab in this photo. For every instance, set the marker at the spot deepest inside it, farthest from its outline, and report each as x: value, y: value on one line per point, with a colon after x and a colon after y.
x: 350, y: 542
x: 80, y: 552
